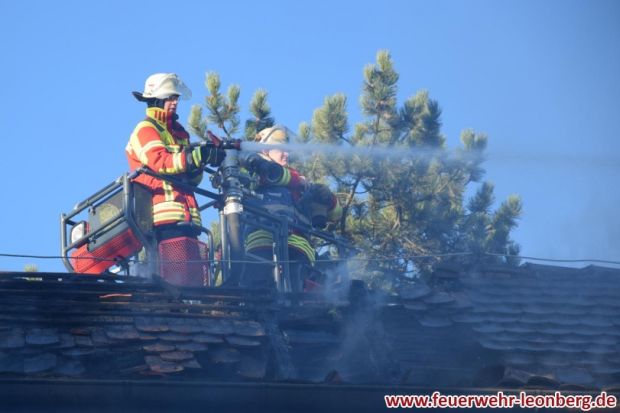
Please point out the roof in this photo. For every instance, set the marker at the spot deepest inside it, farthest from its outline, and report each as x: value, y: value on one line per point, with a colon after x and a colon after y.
x: 533, y: 326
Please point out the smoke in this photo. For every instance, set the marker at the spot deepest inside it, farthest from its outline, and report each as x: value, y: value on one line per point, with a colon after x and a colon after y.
x: 362, y: 354
x: 364, y: 346
x: 140, y: 267
x: 337, y: 282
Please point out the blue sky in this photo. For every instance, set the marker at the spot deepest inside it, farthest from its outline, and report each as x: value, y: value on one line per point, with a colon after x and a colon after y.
x: 541, y: 78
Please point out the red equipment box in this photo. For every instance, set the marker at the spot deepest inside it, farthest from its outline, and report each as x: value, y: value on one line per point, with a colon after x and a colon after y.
x: 120, y: 247
x: 183, y: 261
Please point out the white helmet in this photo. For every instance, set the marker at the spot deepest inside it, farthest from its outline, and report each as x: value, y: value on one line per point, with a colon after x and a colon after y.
x: 277, y: 134
x: 162, y: 86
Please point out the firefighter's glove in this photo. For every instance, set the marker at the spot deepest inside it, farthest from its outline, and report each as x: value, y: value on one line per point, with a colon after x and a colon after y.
x: 212, y: 156
x: 321, y: 194
x: 268, y: 170
x: 194, y: 176
x: 318, y: 216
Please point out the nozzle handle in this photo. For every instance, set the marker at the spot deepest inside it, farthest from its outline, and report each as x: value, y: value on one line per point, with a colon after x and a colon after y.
x: 224, y: 143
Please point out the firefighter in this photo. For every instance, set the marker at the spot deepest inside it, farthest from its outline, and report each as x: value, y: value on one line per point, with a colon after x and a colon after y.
x: 160, y: 143
x: 285, y: 191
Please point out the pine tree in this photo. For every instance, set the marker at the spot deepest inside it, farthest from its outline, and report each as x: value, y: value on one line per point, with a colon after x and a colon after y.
x: 396, y: 209
x: 400, y: 208
x: 223, y: 111
x: 261, y: 115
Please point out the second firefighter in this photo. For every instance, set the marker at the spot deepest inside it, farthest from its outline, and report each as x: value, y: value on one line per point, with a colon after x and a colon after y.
x: 284, y: 191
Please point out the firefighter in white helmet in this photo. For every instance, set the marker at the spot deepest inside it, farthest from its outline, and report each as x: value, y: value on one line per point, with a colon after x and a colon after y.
x: 160, y: 143
x: 285, y: 191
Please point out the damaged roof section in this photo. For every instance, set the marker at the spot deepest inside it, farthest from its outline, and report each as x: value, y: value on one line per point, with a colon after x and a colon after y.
x: 82, y: 327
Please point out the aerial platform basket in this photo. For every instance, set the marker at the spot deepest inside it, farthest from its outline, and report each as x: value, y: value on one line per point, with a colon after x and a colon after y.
x: 113, y: 230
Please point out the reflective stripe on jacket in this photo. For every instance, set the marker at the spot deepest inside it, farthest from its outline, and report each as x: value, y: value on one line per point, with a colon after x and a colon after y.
x: 283, y: 198
x: 158, y: 143
x: 278, y: 200
x: 263, y: 240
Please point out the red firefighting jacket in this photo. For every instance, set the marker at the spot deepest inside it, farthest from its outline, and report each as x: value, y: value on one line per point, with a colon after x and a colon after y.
x: 158, y: 143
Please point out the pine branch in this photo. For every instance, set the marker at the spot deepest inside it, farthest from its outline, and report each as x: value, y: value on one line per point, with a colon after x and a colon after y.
x: 345, y: 209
